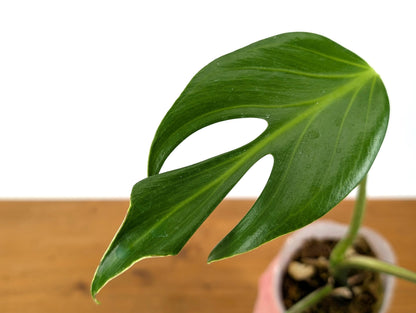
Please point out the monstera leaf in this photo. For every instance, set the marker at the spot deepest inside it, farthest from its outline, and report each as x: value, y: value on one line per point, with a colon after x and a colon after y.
x: 327, y: 113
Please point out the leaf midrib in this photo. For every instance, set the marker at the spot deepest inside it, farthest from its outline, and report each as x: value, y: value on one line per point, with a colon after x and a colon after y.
x: 261, y: 144
x: 259, y: 147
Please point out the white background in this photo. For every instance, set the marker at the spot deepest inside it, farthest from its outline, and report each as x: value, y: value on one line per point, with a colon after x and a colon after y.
x: 84, y: 85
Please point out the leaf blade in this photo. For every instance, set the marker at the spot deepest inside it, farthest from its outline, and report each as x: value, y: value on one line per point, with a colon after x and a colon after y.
x: 327, y: 114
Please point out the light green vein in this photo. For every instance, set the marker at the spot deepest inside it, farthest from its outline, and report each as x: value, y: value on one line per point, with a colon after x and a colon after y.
x: 331, y: 57
x: 370, y: 100
x: 299, y: 73
x: 320, y: 190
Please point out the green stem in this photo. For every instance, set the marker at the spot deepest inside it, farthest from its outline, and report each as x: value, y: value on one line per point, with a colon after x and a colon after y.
x: 338, y: 252
x: 311, y: 299
x: 372, y: 264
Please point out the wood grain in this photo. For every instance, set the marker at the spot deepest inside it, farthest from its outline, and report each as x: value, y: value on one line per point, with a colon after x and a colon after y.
x: 49, y: 251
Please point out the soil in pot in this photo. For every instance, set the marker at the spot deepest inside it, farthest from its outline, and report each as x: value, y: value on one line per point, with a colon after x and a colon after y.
x: 360, y: 291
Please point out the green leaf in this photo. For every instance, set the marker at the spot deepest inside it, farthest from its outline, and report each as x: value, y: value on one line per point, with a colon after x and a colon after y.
x: 327, y: 113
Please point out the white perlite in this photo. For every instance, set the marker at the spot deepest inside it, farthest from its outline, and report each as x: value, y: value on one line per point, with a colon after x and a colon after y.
x: 300, y: 271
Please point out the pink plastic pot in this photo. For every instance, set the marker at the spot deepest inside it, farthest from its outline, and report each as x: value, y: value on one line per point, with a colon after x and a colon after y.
x: 269, y: 297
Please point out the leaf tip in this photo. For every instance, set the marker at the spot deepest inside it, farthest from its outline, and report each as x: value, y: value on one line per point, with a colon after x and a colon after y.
x: 94, y: 291
x: 96, y: 285
x: 95, y: 299
x: 94, y: 294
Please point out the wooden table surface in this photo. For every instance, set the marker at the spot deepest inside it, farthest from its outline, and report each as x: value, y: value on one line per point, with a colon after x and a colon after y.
x: 49, y: 251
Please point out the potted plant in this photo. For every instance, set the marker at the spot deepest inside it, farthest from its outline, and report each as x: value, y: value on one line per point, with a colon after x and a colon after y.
x: 303, y: 265
x: 327, y: 112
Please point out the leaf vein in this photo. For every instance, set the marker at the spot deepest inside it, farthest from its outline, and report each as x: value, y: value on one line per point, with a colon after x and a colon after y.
x: 331, y: 57
x: 299, y: 73
x: 336, y: 145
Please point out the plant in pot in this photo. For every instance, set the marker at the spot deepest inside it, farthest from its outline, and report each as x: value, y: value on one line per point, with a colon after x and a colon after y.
x: 327, y: 113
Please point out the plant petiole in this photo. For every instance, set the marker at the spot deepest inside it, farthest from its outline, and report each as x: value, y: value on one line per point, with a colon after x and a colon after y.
x: 338, y: 253
x: 373, y: 264
x: 311, y: 299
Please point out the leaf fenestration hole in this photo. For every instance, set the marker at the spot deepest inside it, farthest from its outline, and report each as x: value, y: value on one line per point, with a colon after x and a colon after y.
x: 253, y: 182
x: 214, y: 140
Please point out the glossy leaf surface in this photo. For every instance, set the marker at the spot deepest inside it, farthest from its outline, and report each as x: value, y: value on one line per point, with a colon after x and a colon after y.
x: 327, y: 113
